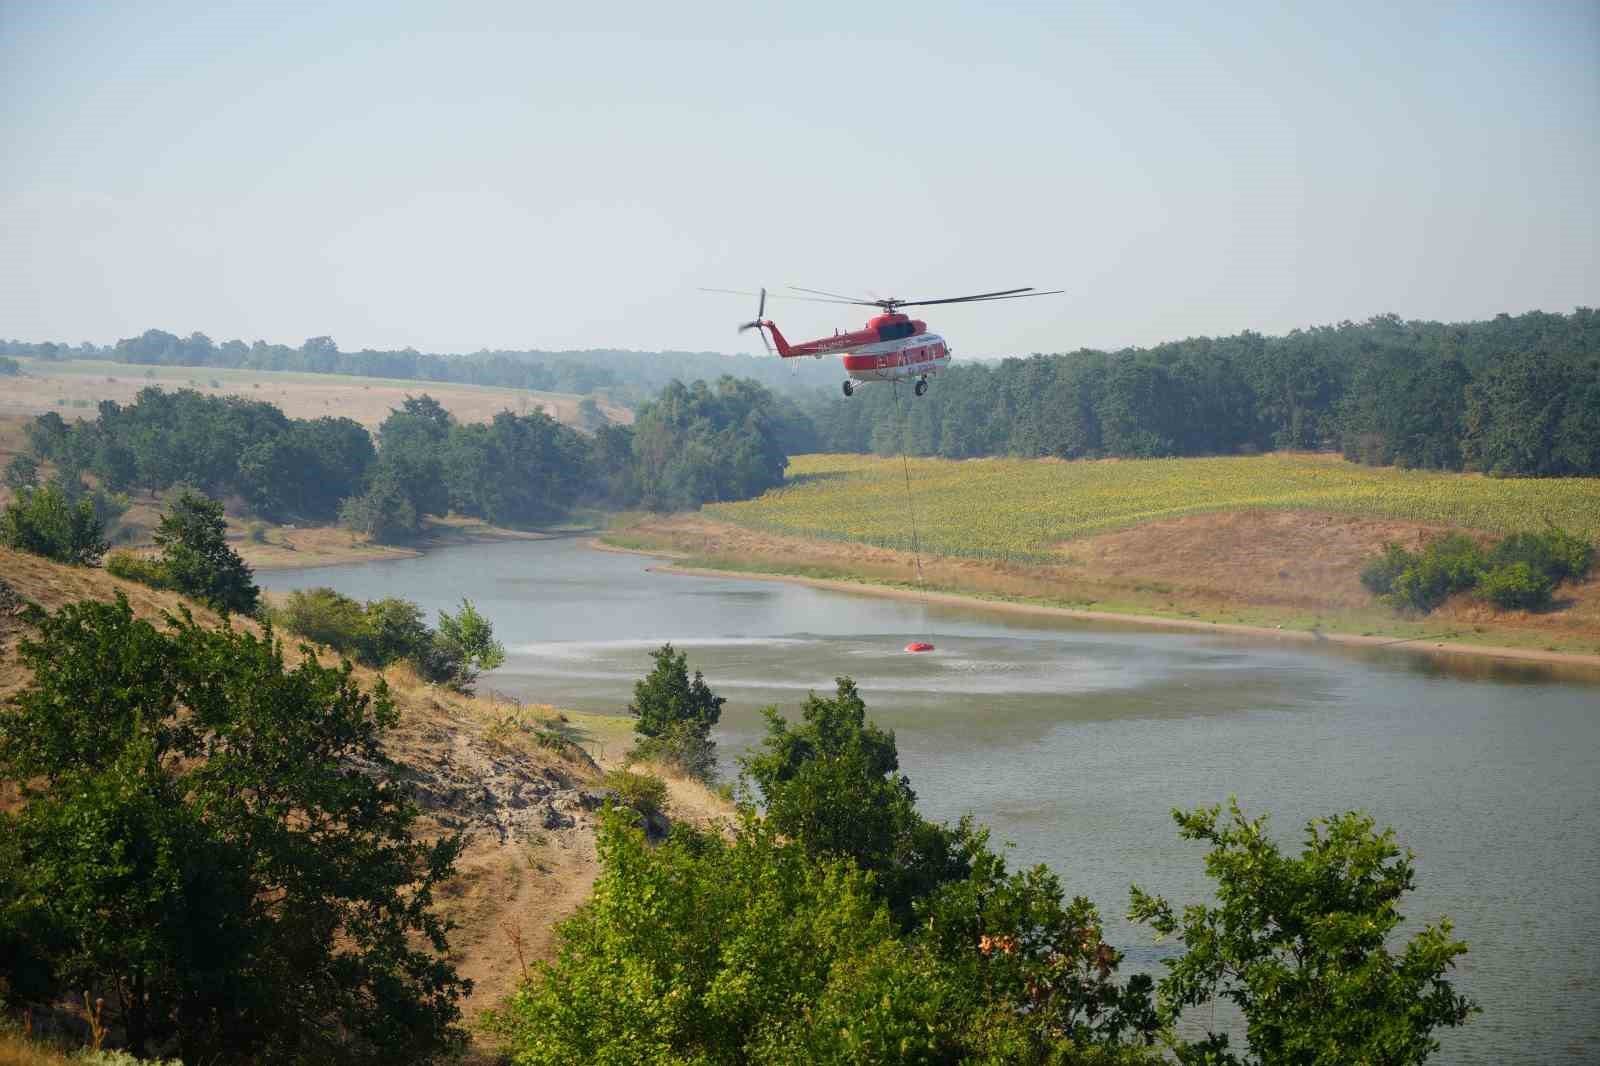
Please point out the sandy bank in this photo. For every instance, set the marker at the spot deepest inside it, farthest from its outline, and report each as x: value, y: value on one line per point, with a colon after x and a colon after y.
x: 295, y: 548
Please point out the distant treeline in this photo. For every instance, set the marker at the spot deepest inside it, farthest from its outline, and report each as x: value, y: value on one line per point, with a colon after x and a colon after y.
x: 693, y: 444
x: 627, y: 375
x: 1513, y: 395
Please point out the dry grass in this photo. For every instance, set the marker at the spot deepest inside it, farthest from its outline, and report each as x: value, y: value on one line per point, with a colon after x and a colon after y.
x: 19, y: 1050
x: 72, y: 389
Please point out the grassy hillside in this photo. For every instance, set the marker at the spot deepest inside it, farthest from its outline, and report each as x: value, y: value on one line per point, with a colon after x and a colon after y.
x: 1028, y: 509
x: 1272, y: 541
x: 520, y: 781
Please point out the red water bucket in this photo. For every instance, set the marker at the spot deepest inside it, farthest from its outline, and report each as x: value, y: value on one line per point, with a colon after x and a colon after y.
x: 919, y: 645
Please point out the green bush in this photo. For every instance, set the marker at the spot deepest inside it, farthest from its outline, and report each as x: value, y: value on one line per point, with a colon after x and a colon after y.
x: 1573, y: 555
x: 1520, y: 572
x: 22, y: 472
x: 684, y: 747
x: 1555, y: 553
x: 1515, y: 586
x: 380, y: 632
x: 645, y: 793
x: 1450, y: 564
x: 1379, y: 575
x: 45, y: 522
x: 132, y: 567
x: 326, y: 617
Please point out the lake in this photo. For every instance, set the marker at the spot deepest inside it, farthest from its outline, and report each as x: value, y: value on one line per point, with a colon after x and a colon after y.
x: 1075, y: 740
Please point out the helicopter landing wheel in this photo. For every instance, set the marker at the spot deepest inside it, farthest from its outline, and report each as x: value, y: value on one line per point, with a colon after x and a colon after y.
x: 849, y: 388
x: 921, y: 386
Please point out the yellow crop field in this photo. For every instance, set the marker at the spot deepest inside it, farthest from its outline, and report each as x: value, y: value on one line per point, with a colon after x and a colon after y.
x: 1025, y: 509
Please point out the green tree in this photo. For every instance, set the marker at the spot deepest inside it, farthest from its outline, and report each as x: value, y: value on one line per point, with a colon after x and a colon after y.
x: 412, y: 447
x: 384, y: 512
x: 693, y: 444
x: 690, y: 950
x: 1300, y: 945
x: 196, y: 557
x: 46, y: 522
x: 466, y: 639
x: 192, y: 846
x: 832, y: 785
x: 666, y: 696
x: 748, y: 943
x: 22, y: 472
x: 674, y: 716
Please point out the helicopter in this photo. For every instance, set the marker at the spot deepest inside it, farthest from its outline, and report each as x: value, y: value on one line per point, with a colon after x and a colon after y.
x: 891, y: 347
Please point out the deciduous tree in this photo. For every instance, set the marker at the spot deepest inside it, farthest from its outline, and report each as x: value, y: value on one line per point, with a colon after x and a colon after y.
x: 1301, y: 945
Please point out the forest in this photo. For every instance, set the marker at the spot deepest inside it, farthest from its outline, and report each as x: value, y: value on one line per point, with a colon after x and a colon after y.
x: 693, y: 444
x: 1515, y: 395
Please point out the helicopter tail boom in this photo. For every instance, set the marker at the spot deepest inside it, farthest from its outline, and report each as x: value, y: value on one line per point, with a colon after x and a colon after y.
x: 777, y: 338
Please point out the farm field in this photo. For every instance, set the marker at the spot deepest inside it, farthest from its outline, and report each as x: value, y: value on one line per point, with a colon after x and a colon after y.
x: 1029, y: 510
x: 73, y: 388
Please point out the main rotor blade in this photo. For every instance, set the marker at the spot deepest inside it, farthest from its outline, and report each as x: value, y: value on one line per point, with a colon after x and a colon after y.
x: 1013, y: 294
x: 778, y: 296
x: 976, y: 296
x: 833, y: 297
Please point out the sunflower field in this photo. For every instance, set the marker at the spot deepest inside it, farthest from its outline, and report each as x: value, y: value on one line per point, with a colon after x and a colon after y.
x: 1026, y: 509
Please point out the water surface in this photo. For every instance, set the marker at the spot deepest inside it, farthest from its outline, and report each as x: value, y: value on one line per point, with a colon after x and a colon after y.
x: 1074, y: 740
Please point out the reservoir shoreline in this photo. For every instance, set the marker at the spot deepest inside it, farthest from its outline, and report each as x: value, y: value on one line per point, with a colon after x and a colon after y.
x: 676, y: 566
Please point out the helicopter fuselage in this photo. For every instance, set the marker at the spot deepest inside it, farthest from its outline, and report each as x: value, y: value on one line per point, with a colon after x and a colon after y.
x: 892, y: 347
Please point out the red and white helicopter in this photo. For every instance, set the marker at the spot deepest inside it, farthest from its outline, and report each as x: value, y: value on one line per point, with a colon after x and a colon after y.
x: 891, y: 347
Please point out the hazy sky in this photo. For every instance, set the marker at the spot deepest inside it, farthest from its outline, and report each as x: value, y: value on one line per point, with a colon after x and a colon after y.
x: 563, y: 175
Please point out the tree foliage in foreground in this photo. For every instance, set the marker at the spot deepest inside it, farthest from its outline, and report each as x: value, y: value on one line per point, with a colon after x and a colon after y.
x: 706, y: 949
x: 841, y: 927
x: 1300, y: 945
x: 833, y: 784
x: 196, y: 845
x: 779, y: 941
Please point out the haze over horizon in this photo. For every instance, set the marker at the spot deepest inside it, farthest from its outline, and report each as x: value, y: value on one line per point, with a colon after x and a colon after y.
x: 513, y: 177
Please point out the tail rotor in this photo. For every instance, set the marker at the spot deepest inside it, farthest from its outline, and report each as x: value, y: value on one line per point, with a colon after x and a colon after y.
x: 761, y: 313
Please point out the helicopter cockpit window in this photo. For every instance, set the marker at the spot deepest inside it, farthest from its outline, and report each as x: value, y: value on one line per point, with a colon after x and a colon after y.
x: 895, y: 330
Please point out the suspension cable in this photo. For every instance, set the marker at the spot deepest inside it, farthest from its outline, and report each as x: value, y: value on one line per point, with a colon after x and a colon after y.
x: 911, y: 507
